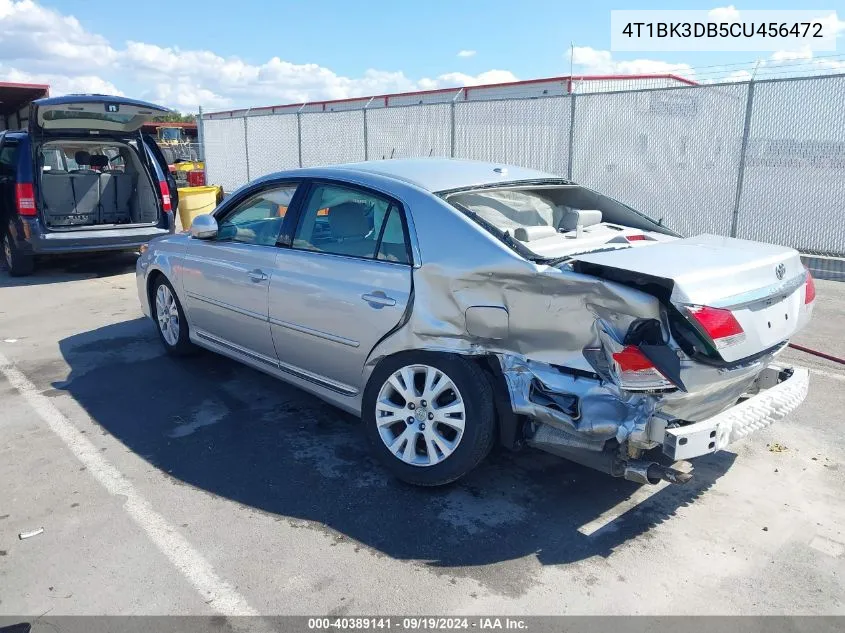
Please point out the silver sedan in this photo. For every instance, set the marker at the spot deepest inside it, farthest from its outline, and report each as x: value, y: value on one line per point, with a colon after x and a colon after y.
x: 455, y: 304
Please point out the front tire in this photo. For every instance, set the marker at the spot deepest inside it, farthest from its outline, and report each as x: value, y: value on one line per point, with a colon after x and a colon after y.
x: 429, y: 417
x: 170, y: 319
x: 18, y: 263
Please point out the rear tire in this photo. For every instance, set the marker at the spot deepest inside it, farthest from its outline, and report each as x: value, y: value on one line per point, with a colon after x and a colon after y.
x: 171, y: 324
x: 435, y: 429
x: 19, y: 263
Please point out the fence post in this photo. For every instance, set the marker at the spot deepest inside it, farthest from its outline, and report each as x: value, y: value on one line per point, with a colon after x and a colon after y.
x: 742, y: 155
x: 571, y: 136
x: 200, y: 136
x: 452, y: 129
x: 246, y: 146
x: 299, y: 133
x: 452, y: 124
x: 366, y: 140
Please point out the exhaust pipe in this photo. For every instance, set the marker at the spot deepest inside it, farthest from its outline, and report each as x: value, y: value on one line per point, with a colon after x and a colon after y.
x: 644, y: 472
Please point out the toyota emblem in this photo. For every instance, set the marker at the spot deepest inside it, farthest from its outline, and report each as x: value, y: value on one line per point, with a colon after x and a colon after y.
x: 780, y: 271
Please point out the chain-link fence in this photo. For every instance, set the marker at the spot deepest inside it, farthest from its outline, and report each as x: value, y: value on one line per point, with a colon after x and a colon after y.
x: 762, y: 160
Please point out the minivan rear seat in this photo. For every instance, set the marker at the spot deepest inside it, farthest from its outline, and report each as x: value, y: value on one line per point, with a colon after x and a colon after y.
x: 87, y: 197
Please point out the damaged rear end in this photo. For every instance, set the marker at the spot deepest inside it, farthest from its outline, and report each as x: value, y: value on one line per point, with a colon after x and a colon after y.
x: 696, y: 374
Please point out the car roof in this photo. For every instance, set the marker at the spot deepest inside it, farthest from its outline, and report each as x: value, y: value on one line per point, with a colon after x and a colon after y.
x: 443, y: 174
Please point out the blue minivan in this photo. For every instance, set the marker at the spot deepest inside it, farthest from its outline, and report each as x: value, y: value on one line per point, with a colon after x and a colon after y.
x: 82, y: 178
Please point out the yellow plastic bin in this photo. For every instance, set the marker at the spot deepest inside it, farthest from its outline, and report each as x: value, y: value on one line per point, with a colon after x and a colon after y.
x: 194, y: 201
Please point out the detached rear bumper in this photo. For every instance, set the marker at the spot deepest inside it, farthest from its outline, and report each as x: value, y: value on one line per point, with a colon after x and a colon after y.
x: 767, y: 406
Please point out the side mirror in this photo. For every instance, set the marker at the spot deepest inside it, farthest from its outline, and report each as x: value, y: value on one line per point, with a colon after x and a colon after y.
x: 204, y: 227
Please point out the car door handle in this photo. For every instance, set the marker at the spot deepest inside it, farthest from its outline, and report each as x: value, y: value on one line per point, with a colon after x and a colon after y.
x: 257, y: 275
x: 378, y: 299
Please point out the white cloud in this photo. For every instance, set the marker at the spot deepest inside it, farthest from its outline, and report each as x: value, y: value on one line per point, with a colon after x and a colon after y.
x: 790, y: 55
x: 591, y: 61
x: 832, y: 24
x: 466, y: 53
x: 60, y: 84
x: 44, y: 45
x: 724, y: 14
x: 457, y: 80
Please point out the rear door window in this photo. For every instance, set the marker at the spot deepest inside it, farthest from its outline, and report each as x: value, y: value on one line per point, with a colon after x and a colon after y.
x: 346, y: 221
x: 9, y: 160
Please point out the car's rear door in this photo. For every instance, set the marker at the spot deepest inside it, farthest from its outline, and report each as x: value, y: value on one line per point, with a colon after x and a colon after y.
x: 226, y: 280
x: 343, y: 284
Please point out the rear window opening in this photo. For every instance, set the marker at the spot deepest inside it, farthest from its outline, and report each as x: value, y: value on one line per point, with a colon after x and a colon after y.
x: 94, y: 183
x: 553, y: 221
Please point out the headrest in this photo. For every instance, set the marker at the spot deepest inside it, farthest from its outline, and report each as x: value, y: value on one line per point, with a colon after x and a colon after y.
x: 82, y: 157
x: 349, y: 219
x: 99, y: 161
x: 580, y: 217
x: 531, y: 233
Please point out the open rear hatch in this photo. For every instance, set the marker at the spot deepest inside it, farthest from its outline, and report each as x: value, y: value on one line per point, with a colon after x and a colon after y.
x: 729, y: 299
x: 92, y: 114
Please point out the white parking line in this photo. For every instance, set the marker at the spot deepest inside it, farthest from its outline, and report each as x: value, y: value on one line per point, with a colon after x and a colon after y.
x: 608, y: 516
x: 219, y: 594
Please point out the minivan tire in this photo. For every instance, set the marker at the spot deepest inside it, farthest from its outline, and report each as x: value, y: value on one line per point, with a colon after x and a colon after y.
x: 182, y: 345
x: 19, y: 263
x: 479, y: 431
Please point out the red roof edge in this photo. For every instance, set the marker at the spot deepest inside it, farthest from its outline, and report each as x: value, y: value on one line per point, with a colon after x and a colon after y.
x: 525, y: 82
x: 12, y: 84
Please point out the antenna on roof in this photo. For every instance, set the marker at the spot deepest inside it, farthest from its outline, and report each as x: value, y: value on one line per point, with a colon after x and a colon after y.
x: 571, y: 58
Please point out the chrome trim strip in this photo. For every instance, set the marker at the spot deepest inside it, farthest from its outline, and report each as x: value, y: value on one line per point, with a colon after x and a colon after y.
x: 339, y: 387
x: 237, y: 348
x: 229, y: 306
x: 302, y: 374
x: 318, y: 333
x: 746, y: 299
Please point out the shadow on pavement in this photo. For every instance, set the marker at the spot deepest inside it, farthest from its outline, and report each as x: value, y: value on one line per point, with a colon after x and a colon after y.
x: 60, y: 269
x: 226, y: 429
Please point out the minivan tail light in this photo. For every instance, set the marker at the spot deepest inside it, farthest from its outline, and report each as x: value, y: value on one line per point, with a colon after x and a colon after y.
x: 634, y: 371
x: 25, y: 199
x: 165, y: 196
x: 809, y: 289
x: 718, y: 325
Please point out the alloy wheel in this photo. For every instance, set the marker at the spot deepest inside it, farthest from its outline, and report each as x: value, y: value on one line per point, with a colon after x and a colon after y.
x: 167, y: 314
x: 420, y: 415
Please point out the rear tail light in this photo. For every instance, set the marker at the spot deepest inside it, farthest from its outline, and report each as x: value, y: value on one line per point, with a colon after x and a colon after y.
x: 634, y: 371
x: 635, y: 238
x: 25, y: 199
x: 719, y: 325
x: 809, y: 289
x: 165, y: 196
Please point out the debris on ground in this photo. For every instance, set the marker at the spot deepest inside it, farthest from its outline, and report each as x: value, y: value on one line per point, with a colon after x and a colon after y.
x: 765, y: 529
x: 30, y: 534
x: 776, y: 447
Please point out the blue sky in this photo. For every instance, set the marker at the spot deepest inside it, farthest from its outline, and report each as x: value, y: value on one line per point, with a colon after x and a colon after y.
x: 227, y: 54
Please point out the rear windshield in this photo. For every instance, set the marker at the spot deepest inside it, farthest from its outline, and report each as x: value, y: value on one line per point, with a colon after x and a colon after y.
x: 509, y: 210
x: 113, y: 117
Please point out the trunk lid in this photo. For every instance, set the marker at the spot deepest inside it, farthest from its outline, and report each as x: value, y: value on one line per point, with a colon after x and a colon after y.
x: 94, y: 114
x: 760, y: 284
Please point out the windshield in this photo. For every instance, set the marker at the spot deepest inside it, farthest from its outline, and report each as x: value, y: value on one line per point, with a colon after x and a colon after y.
x: 509, y: 210
x: 171, y: 134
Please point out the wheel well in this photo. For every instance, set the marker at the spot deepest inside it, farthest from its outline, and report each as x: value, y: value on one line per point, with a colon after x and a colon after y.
x: 151, y: 281
x: 509, y: 424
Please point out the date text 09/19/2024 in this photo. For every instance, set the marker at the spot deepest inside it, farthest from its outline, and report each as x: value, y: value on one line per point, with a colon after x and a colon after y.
x: 421, y: 623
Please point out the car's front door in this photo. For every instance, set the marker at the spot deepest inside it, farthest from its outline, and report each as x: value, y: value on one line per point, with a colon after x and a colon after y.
x: 226, y: 279
x: 343, y: 284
